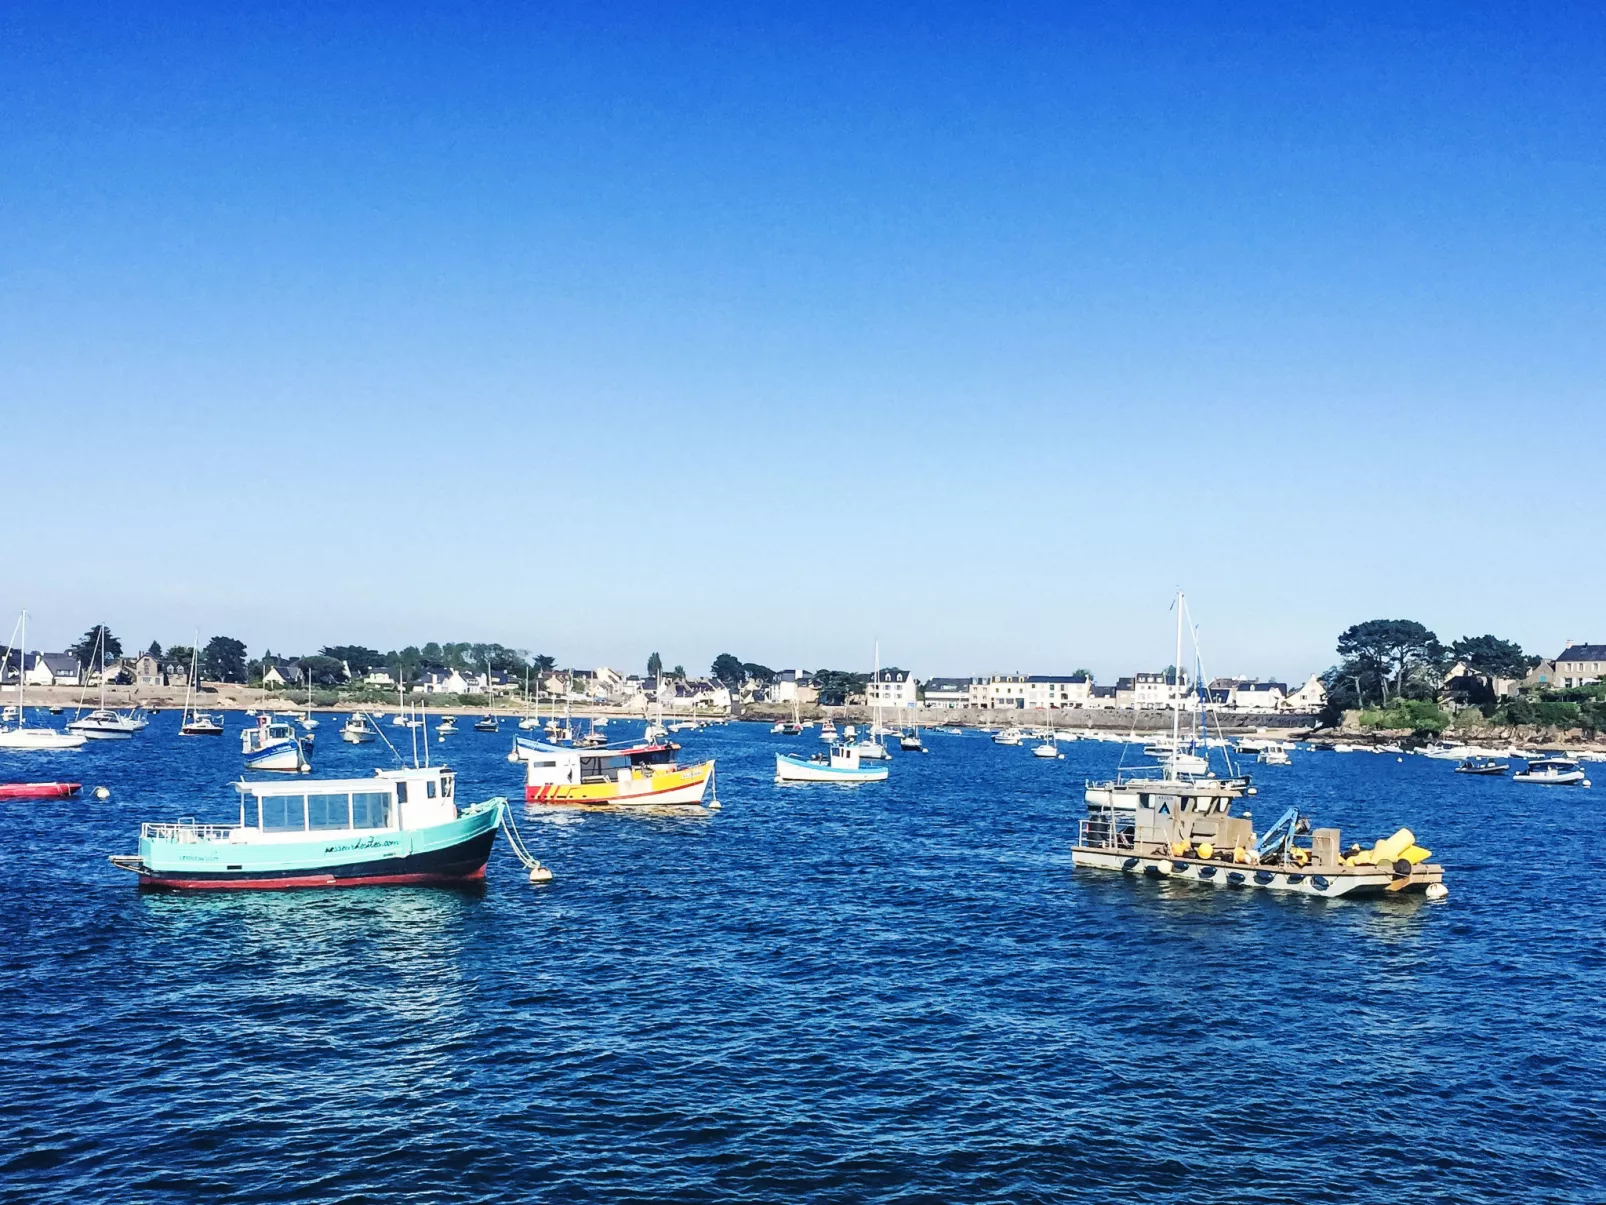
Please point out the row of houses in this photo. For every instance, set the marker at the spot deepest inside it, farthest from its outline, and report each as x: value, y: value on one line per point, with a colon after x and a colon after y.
x: 64, y: 669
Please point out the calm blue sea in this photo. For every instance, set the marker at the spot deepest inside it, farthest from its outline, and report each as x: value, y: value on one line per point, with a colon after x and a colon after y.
x: 899, y: 993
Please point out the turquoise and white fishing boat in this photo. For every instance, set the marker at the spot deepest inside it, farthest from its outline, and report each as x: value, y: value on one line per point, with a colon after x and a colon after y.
x: 398, y: 827
x: 273, y: 745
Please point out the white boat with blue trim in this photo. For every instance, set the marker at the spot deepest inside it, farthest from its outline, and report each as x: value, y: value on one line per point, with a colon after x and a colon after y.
x: 841, y: 765
x: 273, y: 745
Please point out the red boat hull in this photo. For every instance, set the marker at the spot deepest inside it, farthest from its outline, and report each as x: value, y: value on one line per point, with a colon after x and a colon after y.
x: 39, y: 790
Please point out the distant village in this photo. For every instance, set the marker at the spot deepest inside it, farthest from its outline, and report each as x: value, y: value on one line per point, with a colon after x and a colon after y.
x: 891, y: 689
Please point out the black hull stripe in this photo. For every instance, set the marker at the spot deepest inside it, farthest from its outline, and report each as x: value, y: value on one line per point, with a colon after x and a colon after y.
x: 455, y: 861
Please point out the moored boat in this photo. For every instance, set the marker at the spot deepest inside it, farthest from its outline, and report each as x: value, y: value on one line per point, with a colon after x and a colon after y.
x: 39, y: 790
x: 358, y: 730
x: 1178, y: 831
x: 1482, y: 765
x: 1552, y: 772
x: 398, y: 827
x: 273, y: 745
x: 841, y: 765
x: 20, y: 738
x: 645, y: 775
x: 103, y: 724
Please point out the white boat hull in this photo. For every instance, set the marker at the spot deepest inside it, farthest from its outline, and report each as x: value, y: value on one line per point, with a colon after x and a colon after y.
x: 283, y: 756
x: 799, y: 769
x: 40, y: 740
x: 1573, y: 778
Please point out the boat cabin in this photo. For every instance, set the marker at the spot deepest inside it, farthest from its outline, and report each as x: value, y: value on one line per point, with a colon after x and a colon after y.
x: 1144, y: 814
x: 390, y: 800
x: 555, y: 765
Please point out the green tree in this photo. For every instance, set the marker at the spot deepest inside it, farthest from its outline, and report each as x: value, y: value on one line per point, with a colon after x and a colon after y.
x: 1401, y: 653
x: 155, y: 650
x: 837, y: 685
x: 542, y: 664
x: 1084, y: 673
x: 322, y: 670
x: 727, y: 670
x: 1490, y: 655
x: 358, y: 657
x: 180, y: 654
x: 655, y: 665
x: 223, y: 660
x: 678, y: 673
x: 98, y: 641
x: 757, y: 672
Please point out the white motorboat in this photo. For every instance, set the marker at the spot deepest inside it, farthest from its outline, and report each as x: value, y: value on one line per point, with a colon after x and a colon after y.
x: 841, y: 765
x: 1009, y: 736
x: 1048, y: 749
x: 1553, y: 772
x: 273, y: 745
x: 103, y: 724
x: 872, y: 751
x: 357, y: 730
x: 21, y: 738
x: 828, y: 732
x: 9, y: 713
x: 1273, y: 755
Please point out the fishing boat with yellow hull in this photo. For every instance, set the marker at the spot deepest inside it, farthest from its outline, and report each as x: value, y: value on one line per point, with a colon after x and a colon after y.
x: 645, y: 775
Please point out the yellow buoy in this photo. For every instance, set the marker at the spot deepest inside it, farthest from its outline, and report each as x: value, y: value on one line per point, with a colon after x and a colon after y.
x: 1206, y: 850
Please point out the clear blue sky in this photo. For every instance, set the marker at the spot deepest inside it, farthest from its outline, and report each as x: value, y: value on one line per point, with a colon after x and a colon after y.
x: 597, y: 329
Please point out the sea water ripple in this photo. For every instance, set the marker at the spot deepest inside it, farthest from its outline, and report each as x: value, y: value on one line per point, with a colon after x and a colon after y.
x: 896, y: 993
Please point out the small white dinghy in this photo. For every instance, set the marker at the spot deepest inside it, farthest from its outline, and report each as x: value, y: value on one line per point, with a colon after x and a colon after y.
x: 841, y: 765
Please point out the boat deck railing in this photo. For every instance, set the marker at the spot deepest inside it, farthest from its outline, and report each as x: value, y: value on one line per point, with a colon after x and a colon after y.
x: 183, y: 830
x: 1101, y: 832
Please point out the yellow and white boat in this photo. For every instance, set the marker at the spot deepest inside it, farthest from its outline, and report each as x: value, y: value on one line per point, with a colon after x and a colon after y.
x: 644, y: 775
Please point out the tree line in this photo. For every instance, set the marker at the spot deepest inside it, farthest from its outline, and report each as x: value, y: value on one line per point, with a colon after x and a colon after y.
x: 1397, y: 673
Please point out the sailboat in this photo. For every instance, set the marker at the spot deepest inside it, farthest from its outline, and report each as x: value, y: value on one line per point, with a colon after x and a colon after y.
x: 104, y: 724
x: 531, y: 720
x: 487, y: 722
x: 310, y: 720
x: 195, y: 722
x: 871, y: 748
x: 21, y: 737
x: 792, y: 728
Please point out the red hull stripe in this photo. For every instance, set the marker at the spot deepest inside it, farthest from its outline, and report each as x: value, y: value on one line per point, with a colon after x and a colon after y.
x: 38, y: 790
x: 380, y: 880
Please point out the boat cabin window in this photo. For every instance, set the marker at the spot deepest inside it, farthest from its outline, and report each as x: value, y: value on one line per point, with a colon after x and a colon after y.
x: 429, y: 788
x: 328, y: 811
x: 401, y: 792
x: 283, y: 813
x: 446, y: 786
x: 371, y: 809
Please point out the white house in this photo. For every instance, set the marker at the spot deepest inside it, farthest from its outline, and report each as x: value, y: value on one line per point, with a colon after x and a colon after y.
x: 890, y: 688
x: 793, y: 686
x: 378, y: 677
x: 1031, y: 692
x: 1311, y: 697
x: 1580, y: 664
x: 53, y: 669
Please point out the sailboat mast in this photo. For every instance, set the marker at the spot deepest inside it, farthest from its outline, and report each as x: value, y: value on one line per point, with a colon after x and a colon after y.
x: 1176, y: 689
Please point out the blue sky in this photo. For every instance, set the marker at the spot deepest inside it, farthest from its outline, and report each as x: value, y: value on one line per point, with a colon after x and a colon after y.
x: 604, y: 329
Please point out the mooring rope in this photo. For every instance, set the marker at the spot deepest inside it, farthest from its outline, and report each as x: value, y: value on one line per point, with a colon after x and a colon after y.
x: 521, y: 851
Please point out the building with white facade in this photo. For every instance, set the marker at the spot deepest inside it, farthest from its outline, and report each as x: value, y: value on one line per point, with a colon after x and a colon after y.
x: 890, y: 688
